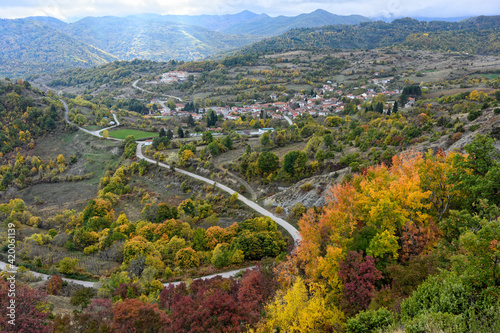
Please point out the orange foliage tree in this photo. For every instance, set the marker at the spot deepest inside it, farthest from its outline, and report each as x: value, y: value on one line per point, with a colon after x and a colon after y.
x: 390, y: 213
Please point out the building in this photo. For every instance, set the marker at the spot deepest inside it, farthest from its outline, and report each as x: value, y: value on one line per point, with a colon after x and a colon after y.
x: 267, y: 129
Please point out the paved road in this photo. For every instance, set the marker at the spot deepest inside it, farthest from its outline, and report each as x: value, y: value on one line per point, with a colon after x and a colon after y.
x: 94, y: 133
x: 6, y: 267
x: 134, y: 84
x: 287, y: 226
x: 89, y: 284
x: 288, y: 119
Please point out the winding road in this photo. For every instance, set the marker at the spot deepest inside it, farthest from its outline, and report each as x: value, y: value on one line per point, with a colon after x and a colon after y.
x: 134, y: 84
x: 287, y: 226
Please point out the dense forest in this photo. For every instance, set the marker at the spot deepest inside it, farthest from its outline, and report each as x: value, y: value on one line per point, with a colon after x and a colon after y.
x: 478, y: 35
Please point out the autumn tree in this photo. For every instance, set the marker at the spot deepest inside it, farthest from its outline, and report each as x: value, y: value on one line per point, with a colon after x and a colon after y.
x: 55, y: 285
x: 298, y: 310
x: 31, y: 310
x: 135, y: 316
x: 359, y: 276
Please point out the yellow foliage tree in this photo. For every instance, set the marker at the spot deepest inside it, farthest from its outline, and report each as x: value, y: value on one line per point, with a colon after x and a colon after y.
x: 296, y: 310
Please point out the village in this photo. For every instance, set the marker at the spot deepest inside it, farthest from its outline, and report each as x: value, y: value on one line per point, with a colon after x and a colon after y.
x: 319, y: 102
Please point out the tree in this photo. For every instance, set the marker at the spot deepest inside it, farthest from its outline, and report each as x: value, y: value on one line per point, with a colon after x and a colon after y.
x: 186, y: 258
x: 213, y: 147
x: 208, y: 306
x: 190, y: 121
x: 221, y: 256
x: 207, y: 137
x: 135, y: 316
x: 265, y: 139
x: 68, y: 265
x: 228, y: 142
x: 180, y: 132
x: 477, y: 176
x: 211, y: 118
x: 395, y: 107
x: 297, y: 310
x: 320, y: 156
x: 359, y: 276
x: 61, y: 160
x: 31, y: 312
x: 267, y: 162
x: 481, y: 249
x: 55, y: 285
x: 82, y: 297
x: 105, y: 134
x: 170, y: 135
x: 162, y: 132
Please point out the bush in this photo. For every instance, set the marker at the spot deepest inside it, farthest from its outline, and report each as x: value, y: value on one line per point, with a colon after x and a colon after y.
x: 55, y: 285
x: 437, y: 322
x: 369, y: 321
x: 68, y: 265
x: 306, y: 187
x: 473, y: 115
x: 82, y: 297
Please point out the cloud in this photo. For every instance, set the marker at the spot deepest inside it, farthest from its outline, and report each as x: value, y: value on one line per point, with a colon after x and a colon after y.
x: 66, y: 9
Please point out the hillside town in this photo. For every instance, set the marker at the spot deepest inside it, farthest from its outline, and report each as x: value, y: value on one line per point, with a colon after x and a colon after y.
x: 330, y: 99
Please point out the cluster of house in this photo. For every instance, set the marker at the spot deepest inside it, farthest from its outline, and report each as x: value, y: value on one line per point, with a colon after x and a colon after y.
x: 174, y: 76
x: 298, y: 105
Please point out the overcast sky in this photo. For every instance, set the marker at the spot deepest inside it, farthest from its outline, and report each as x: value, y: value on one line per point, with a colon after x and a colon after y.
x: 70, y: 10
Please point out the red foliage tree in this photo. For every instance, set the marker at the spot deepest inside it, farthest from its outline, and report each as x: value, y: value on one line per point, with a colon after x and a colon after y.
x: 359, y: 276
x: 96, y: 318
x: 55, y: 285
x: 217, y: 304
x: 134, y: 316
x: 126, y: 290
x: 29, y: 311
x: 255, y: 289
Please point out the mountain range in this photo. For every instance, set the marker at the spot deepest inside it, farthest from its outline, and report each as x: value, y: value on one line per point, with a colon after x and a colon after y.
x: 40, y: 44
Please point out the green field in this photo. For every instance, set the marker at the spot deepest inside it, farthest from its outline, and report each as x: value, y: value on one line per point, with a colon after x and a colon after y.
x: 490, y: 76
x: 138, y: 134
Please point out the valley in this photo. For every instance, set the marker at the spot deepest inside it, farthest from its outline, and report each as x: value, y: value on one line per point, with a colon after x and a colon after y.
x: 338, y: 178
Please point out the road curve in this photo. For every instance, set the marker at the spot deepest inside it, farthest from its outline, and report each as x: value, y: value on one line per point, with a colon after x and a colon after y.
x: 288, y: 119
x: 94, y: 133
x: 89, y: 284
x: 12, y: 269
x: 287, y: 226
x: 134, y: 84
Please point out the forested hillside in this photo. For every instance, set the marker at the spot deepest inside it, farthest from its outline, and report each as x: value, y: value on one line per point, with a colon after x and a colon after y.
x: 28, y: 47
x: 153, y: 38
x: 479, y: 35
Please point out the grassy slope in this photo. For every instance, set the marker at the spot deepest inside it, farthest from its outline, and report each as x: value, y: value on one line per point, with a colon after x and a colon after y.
x: 138, y: 134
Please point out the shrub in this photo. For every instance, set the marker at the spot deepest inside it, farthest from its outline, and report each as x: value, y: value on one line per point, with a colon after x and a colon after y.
x: 369, y: 321
x: 82, y: 297
x: 68, y: 265
x: 306, y: 187
x: 55, y: 285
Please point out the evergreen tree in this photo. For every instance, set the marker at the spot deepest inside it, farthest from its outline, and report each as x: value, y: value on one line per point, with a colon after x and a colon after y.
x: 170, y: 134
x: 162, y: 132
x: 180, y: 132
x: 190, y: 121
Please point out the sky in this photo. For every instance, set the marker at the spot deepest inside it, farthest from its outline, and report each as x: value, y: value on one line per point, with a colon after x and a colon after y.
x: 71, y: 10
